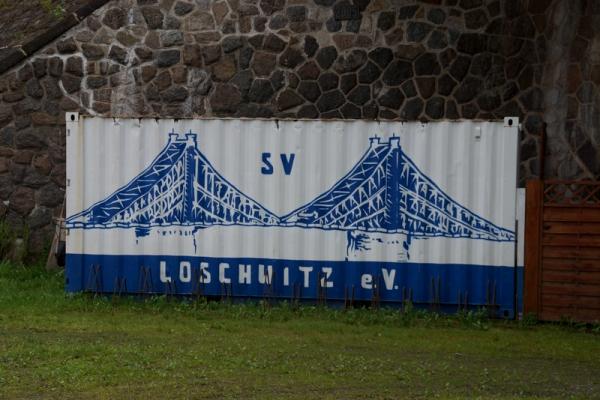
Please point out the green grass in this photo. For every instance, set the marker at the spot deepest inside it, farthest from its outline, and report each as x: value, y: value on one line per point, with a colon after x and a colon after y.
x: 58, y: 346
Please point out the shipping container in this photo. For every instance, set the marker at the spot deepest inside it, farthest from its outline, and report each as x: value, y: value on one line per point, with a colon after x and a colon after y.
x: 334, y: 211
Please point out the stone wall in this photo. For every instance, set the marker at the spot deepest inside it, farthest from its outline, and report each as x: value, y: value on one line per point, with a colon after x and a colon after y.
x: 370, y: 59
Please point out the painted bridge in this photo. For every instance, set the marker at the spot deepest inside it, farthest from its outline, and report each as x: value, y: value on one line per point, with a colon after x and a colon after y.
x: 383, y: 192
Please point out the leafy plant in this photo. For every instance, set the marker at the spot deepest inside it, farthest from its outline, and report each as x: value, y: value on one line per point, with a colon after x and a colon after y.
x: 7, y: 238
x: 528, y: 320
x: 14, y: 245
x: 22, y: 250
x: 55, y: 10
x: 477, y: 319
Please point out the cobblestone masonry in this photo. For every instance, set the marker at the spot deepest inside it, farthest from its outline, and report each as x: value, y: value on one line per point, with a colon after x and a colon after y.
x: 370, y: 59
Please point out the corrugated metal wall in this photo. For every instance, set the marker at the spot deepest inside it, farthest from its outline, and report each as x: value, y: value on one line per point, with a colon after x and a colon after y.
x: 381, y: 209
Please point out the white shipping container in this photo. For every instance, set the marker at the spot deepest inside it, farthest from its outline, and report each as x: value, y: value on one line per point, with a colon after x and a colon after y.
x: 299, y: 208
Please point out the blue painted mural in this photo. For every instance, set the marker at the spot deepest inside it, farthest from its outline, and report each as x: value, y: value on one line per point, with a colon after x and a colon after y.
x: 384, y: 192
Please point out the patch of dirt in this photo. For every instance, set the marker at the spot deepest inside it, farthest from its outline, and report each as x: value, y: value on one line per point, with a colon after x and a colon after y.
x: 22, y: 20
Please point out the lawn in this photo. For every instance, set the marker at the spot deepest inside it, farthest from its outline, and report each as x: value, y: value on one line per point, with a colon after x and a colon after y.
x: 58, y: 346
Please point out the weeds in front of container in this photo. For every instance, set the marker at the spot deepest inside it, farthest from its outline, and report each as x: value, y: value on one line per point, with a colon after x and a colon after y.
x: 407, y: 316
x: 24, y: 285
x: 478, y: 319
x: 529, y: 320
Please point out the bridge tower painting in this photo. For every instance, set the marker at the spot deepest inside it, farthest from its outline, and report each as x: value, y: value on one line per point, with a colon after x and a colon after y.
x: 181, y: 189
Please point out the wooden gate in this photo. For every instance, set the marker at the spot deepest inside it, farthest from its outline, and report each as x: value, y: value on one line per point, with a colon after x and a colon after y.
x: 562, y: 250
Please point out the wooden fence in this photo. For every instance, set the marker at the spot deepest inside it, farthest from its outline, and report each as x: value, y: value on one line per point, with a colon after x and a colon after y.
x: 562, y: 250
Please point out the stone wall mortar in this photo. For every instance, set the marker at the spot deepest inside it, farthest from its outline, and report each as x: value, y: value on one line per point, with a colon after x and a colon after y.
x: 380, y: 59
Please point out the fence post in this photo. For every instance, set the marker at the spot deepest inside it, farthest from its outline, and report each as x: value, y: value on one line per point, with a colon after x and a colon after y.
x: 533, y: 246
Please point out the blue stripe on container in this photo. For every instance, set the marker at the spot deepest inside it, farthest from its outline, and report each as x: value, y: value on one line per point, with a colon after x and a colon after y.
x: 477, y: 282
